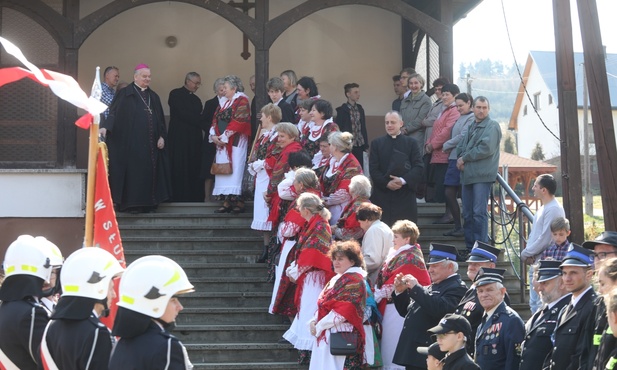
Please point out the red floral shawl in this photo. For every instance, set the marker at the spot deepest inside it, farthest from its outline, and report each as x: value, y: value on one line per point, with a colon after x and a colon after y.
x: 279, y: 166
x: 348, y: 221
x: 348, y: 298
x: 342, y: 177
x: 313, y: 247
x: 240, y: 122
x: 410, y: 261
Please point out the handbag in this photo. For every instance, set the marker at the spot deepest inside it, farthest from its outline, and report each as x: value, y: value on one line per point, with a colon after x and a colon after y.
x: 221, y: 169
x: 343, y: 344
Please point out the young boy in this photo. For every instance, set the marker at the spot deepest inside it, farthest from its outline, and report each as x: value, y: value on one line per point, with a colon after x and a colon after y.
x: 276, y: 87
x: 452, y: 334
x: 560, y: 228
x: 434, y: 356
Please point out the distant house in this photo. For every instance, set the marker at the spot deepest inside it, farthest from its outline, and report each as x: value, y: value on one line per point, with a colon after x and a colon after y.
x: 540, y: 77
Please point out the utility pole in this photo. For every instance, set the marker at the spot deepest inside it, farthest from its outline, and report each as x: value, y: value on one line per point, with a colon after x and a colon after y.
x: 469, y: 81
x: 602, y: 118
x: 568, y: 119
x: 587, y: 167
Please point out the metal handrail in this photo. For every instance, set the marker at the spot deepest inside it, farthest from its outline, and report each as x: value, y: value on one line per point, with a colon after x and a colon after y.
x: 517, y: 221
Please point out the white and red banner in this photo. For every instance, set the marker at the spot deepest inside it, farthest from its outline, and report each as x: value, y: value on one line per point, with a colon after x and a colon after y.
x: 106, y: 231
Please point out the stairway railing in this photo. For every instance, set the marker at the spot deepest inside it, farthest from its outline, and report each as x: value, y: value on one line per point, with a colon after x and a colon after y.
x: 510, y: 222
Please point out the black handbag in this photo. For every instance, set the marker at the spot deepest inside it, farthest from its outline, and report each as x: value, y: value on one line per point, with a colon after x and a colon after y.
x: 343, y: 344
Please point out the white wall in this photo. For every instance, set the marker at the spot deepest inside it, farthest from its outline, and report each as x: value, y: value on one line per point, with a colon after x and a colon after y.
x: 335, y: 46
x: 42, y: 193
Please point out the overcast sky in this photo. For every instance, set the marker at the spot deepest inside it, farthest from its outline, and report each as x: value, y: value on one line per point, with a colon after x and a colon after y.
x: 483, y: 33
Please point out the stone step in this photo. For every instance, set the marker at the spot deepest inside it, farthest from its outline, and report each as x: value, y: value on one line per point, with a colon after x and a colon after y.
x: 241, y: 352
x: 253, y: 271
x: 228, y: 316
x: 154, y: 243
x: 232, y: 284
x: 226, y: 299
x: 184, y: 219
x: 231, y: 255
x: 250, y: 366
x: 196, y: 334
x: 175, y: 231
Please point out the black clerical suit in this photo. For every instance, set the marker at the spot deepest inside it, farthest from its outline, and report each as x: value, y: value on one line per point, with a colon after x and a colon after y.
x: 539, y: 328
x: 139, y: 172
x: 423, y: 308
x: 288, y: 114
x: 498, y: 340
x: 184, y: 142
x: 400, y: 156
x: 568, y: 344
x: 208, y: 149
x: 155, y: 349
x: 22, y: 323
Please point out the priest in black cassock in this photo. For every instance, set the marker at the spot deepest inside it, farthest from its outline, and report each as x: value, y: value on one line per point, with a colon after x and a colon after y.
x: 184, y: 140
x: 139, y: 175
x: 395, y: 164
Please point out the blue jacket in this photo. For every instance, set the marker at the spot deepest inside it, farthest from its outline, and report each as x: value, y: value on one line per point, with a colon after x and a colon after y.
x: 498, y: 341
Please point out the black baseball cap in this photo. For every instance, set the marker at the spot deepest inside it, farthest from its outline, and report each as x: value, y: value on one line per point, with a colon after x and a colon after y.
x: 452, y: 322
x: 432, y: 350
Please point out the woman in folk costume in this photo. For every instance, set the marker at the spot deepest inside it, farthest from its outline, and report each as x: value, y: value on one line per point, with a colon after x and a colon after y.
x: 284, y: 290
x: 340, y: 308
x: 230, y: 131
x: 321, y: 125
x: 307, y: 92
x: 404, y: 257
x: 310, y: 271
x: 348, y: 226
x: 337, y: 175
x: 262, y: 148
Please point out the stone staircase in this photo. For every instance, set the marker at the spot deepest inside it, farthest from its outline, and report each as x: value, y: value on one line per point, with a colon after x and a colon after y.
x: 225, y: 323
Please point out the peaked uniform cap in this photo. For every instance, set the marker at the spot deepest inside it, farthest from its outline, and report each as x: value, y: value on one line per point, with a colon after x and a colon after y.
x: 483, y: 252
x: 442, y: 252
x: 488, y: 275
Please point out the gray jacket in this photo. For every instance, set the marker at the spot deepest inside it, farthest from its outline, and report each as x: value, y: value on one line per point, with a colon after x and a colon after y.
x: 413, y: 111
x: 479, y: 149
x: 459, y: 130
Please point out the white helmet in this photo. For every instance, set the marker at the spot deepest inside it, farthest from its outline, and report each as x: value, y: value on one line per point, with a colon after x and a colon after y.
x: 87, y: 273
x: 28, y: 255
x: 149, y: 283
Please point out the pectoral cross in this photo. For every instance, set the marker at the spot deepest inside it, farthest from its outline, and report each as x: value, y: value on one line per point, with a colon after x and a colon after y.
x: 245, y: 6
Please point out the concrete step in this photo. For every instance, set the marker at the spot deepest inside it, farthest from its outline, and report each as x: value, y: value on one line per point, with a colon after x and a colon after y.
x: 253, y: 271
x: 231, y: 255
x: 232, y: 284
x: 195, y: 334
x: 226, y: 299
x: 204, y: 219
x: 249, y: 352
x: 154, y: 243
x: 228, y: 316
x: 174, y: 231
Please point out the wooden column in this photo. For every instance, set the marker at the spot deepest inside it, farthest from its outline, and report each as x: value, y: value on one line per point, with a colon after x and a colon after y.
x: 446, y: 49
x: 262, y: 54
x: 601, y: 111
x: 568, y: 120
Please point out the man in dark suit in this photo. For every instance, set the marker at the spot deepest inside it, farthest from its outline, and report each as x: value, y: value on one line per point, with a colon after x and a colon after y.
x: 395, y: 165
x: 208, y: 149
x: 423, y: 307
x: 350, y: 118
x: 577, y: 270
x: 501, y: 331
x: 482, y: 255
x: 541, y: 325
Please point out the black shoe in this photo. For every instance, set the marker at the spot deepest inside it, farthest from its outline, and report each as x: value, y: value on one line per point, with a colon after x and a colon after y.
x: 444, y: 221
x: 456, y: 232
x: 264, y: 255
x: 463, y: 255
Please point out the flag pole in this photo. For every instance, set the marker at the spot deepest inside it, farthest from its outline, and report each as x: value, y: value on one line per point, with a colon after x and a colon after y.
x: 92, y: 154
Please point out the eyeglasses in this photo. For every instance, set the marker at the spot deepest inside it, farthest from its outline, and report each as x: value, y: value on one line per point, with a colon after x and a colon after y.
x: 602, y: 255
x: 196, y: 83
